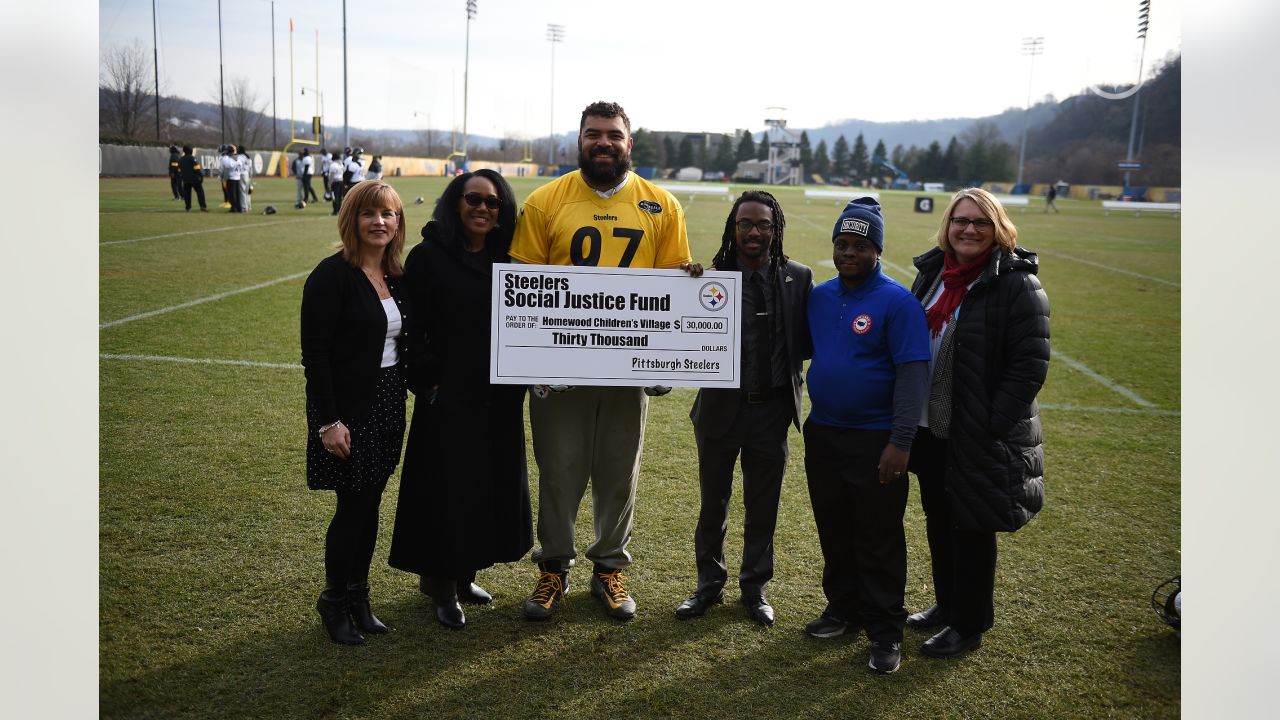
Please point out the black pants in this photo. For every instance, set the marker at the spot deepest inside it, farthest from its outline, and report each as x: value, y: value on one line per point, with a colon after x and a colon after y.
x: 963, y: 561
x: 233, y: 194
x: 175, y: 184
x: 759, y: 434
x: 348, y: 546
x: 187, y: 187
x: 306, y: 186
x: 864, y: 548
x: 339, y: 190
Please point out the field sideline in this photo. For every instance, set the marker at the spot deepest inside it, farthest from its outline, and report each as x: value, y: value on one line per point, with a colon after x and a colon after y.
x: 210, y: 544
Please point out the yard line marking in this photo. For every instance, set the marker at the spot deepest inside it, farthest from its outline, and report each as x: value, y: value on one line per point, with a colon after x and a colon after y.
x: 210, y: 230
x: 199, y: 361
x: 1111, y: 410
x: 211, y: 298
x: 1104, y: 381
x: 1112, y: 269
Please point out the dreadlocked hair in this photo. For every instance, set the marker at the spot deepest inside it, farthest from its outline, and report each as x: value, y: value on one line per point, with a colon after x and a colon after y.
x: 727, y: 257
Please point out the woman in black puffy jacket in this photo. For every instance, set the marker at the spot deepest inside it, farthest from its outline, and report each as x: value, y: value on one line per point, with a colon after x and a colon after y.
x: 979, y: 452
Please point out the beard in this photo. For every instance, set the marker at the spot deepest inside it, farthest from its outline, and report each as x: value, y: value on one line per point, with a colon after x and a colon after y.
x: 607, y: 175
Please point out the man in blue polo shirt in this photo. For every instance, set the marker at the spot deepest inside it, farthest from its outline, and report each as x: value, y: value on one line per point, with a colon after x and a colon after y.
x: 867, y: 383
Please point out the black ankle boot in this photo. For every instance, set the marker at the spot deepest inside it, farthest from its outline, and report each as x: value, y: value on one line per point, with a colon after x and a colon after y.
x: 444, y: 593
x: 469, y: 592
x: 361, y: 612
x: 336, y: 615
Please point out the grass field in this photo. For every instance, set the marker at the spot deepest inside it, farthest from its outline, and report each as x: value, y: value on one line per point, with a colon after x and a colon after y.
x: 210, y: 544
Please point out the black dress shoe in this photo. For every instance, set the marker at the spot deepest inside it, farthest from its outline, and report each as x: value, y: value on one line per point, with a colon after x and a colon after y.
x: 473, y: 594
x: 696, y: 605
x: 929, y: 619
x: 451, y: 616
x: 444, y: 593
x: 758, y: 609
x: 950, y: 643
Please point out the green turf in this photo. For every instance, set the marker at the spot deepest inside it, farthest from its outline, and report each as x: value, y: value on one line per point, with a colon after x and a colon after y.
x: 210, y: 545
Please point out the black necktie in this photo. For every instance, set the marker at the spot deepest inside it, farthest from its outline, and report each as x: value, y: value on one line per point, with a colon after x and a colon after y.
x: 764, y: 335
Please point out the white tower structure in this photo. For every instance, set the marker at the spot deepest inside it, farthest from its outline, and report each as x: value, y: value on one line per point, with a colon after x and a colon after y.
x: 784, y: 150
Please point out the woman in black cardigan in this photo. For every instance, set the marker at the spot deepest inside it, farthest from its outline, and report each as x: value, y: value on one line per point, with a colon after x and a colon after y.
x: 354, y: 317
x: 979, y: 453
x: 464, y: 491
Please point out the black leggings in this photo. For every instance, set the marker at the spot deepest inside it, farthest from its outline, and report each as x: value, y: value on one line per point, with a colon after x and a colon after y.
x: 348, y: 546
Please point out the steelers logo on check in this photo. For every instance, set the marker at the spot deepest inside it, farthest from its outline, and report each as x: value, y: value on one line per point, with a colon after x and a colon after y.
x: 862, y: 324
x: 713, y: 296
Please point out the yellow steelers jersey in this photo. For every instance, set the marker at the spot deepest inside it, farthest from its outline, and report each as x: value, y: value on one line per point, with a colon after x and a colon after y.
x: 565, y: 222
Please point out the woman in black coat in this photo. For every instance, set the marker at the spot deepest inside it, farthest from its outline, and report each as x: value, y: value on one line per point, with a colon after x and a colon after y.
x: 464, y: 491
x: 354, y: 316
x: 979, y: 453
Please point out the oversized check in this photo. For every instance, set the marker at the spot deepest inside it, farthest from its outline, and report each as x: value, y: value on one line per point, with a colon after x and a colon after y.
x: 568, y: 325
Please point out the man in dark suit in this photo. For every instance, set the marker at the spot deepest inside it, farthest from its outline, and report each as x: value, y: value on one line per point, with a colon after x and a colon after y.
x: 752, y: 420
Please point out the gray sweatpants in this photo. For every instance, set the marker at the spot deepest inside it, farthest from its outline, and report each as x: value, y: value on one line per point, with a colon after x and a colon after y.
x: 596, y: 434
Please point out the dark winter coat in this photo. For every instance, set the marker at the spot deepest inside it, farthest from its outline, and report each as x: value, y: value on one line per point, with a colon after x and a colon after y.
x: 995, y: 455
x: 189, y: 169
x: 464, y: 491
x: 344, y: 328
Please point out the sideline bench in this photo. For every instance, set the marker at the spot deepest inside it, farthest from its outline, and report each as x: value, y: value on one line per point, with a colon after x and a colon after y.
x: 1018, y: 201
x: 849, y: 194
x: 692, y: 190
x: 1138, y: 207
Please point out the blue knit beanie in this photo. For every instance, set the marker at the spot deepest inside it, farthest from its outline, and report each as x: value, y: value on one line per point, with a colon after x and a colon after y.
x: 862, y: 217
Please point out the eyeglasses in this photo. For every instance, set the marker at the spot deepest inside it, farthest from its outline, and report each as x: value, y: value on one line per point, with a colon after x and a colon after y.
x: 493, y: 202
x: 744, y: 226
x: 979, y: 224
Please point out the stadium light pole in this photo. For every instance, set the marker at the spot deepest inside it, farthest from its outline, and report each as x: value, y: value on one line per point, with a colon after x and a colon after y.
x: 466, y: 72
x: 155, y: 52
x: 222, y: 94
x: 1144, y: 15
x: 346, y: 125
x: 1032, y: 46
x: 273, y: 73
x: 555, y: 34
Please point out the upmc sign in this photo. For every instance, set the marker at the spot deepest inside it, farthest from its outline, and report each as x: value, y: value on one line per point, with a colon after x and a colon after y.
x: 1129, y: 165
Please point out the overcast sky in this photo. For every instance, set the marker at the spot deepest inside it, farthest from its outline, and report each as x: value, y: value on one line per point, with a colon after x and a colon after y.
x: 673, y: 64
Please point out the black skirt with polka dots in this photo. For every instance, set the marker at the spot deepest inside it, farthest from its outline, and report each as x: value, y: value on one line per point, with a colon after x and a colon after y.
x: 376, y: 442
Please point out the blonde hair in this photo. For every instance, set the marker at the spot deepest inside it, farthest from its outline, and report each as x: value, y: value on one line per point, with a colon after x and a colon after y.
x: 1006, y: 233
x: 371, y: 194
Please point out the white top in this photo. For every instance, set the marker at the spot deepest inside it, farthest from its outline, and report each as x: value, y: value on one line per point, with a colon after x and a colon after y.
x: 308, y: 165
x: 389, y: 353
x: 230, y: 168
x: 357, y: 170
x: 335, y: 171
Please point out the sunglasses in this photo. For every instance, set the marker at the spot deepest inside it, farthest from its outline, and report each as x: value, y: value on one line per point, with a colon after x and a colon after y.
x: 493, y: 202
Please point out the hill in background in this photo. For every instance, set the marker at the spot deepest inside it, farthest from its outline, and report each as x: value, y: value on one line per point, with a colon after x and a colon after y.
x: 1079, y: 139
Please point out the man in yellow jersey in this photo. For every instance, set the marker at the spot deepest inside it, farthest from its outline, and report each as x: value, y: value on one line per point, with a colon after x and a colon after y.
x: 601, y: 215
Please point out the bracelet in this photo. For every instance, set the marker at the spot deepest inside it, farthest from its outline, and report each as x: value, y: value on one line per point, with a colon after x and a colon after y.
x: 326, y: 428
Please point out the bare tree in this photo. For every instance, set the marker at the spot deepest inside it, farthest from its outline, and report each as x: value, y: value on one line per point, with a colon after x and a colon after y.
x: 125, y: 89
x: 427, y: 140
x: 244, y: 112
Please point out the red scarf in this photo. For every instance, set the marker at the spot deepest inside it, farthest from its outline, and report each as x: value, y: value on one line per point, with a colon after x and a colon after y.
x: 956, y: 277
